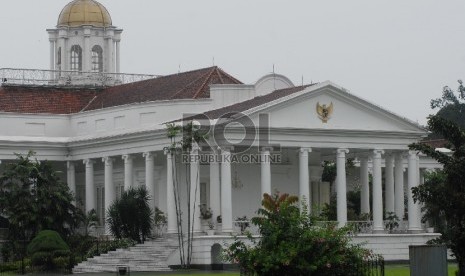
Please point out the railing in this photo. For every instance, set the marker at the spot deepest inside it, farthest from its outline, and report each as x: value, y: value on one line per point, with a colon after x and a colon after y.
x: 38, y: 77
x: 371, y: 266
x: 366, y: 226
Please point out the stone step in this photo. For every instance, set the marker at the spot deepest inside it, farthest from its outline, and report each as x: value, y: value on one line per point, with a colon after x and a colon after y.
x: 150, y: 256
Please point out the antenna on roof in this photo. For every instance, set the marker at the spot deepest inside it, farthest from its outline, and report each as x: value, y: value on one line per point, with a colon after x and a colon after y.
x: 213, y: 61
x: 179, y: 68
x: 273, y: 68
x: 302, y: 80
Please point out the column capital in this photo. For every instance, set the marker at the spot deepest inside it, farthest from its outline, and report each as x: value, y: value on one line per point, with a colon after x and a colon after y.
x: 377, y: 153
x: 127, y: 157
x: 167, y: 150
x: 108, y: 160
x: 148, y: 155
x: 412, y: 153
x: 342, y: 152
x: 266, y: 149
x: 69, y: 164
x: 303, y: 150
x: 88, y: 162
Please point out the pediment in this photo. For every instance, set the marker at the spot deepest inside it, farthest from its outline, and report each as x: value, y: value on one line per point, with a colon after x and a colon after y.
x: 349, y: 112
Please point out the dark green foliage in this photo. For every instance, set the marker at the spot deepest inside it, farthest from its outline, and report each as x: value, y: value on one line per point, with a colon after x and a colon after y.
x: 290, y: 244
x: 444, y: 193
x: 47, y: 241
x: 329, y: 211
x: 33, y: 198
x: 45, y: 247
x: 102, y: 247
x: 130, y: 216
x: 451, y: 107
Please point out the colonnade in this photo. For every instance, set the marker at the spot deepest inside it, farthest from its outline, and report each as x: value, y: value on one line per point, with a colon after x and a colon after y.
x: 221, y: 184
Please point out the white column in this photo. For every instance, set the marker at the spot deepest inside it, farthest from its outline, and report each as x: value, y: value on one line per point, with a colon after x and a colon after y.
x: 86, y: 52
x: 65, y: 53
x: 195, y: 188
x: 215, y: 194
x: 389, y: 174
x: 399, y: 186
x: 110, y: 65
x: 341, y: 187
x: 90, y: 189
x: 265, y: 172
x: 378, y: 224
x: 365, y: 186
x: 110, y: 194
x: 304, y: 178
x: 170, y: 200
x: 71, y: 177
x: 149, y: 177
x: 61, y: 57
x: 128, y: 171
x: 226, y: 198
x: 52, y: 54
x: 118, y: 56
x: 414, y: 219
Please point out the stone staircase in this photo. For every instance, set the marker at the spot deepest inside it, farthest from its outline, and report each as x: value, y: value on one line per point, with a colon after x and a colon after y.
x: 149, y: 256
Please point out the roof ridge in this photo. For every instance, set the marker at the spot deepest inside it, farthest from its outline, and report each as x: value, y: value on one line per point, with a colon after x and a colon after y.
x: 192, y: 82
x: 228, y: 75
x: 196, y: 94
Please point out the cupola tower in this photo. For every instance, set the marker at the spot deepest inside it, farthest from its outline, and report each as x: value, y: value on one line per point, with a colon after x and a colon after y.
x: 85, y: 39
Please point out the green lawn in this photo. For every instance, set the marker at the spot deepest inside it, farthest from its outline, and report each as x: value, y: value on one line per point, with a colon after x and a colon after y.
x: 403, y: 270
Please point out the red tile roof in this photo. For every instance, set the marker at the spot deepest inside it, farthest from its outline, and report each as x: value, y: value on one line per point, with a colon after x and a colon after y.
x: 67, y: 100
x: 51, y: 100
x: 188, y: 85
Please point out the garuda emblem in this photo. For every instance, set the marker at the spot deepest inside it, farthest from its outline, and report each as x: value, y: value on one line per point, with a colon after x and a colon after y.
x: 324, y: 112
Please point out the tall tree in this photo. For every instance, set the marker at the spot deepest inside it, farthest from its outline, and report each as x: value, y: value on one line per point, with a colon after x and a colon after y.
x: 447, y: 196
x: 33, y: 198
x: 182, y: 140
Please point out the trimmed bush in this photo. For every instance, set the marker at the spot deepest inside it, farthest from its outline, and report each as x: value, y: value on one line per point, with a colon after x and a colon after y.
x: 46, y: 246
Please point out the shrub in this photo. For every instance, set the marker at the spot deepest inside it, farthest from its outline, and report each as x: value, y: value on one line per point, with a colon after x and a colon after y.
x: 131, y: 216
x: 45, y: 246
x: 291, y: 245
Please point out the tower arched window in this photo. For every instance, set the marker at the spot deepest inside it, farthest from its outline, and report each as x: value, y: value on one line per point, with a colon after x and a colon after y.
x: 97, y: 59
x: 59, y: 57
x: 76, y: 58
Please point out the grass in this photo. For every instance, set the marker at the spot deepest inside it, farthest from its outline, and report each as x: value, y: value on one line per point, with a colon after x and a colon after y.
x: 404, y: 270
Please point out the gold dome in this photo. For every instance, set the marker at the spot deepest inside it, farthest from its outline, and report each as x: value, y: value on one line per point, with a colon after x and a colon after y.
x: 84, y: 12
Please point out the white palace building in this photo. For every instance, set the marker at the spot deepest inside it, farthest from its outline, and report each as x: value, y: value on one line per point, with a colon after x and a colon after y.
x: 107, y: 132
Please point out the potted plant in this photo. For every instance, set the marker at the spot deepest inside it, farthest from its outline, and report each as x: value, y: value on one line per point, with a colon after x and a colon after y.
x: 392, y: 221
x: 219, y: 223
x: 243, y: 223
x: 211, y: 229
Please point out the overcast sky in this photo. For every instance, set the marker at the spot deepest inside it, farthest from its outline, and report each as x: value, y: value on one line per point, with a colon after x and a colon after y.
x: 395, y: 53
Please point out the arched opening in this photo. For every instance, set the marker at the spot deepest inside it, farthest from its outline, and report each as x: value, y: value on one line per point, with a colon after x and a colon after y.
x: 97, y: 59
x: 59, y: 59
x: 76, y: 58
x: 217, y: 263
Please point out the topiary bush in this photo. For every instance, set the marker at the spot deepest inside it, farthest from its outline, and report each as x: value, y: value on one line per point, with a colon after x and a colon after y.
x: 45, y: 247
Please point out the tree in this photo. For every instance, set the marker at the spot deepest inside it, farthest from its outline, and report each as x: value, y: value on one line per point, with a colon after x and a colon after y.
x: 131, y: 216
x: 451, y: 107
x: 448, y: 196
x: 33, y: 198
x: 179, y: 147
x: 290, y: 244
